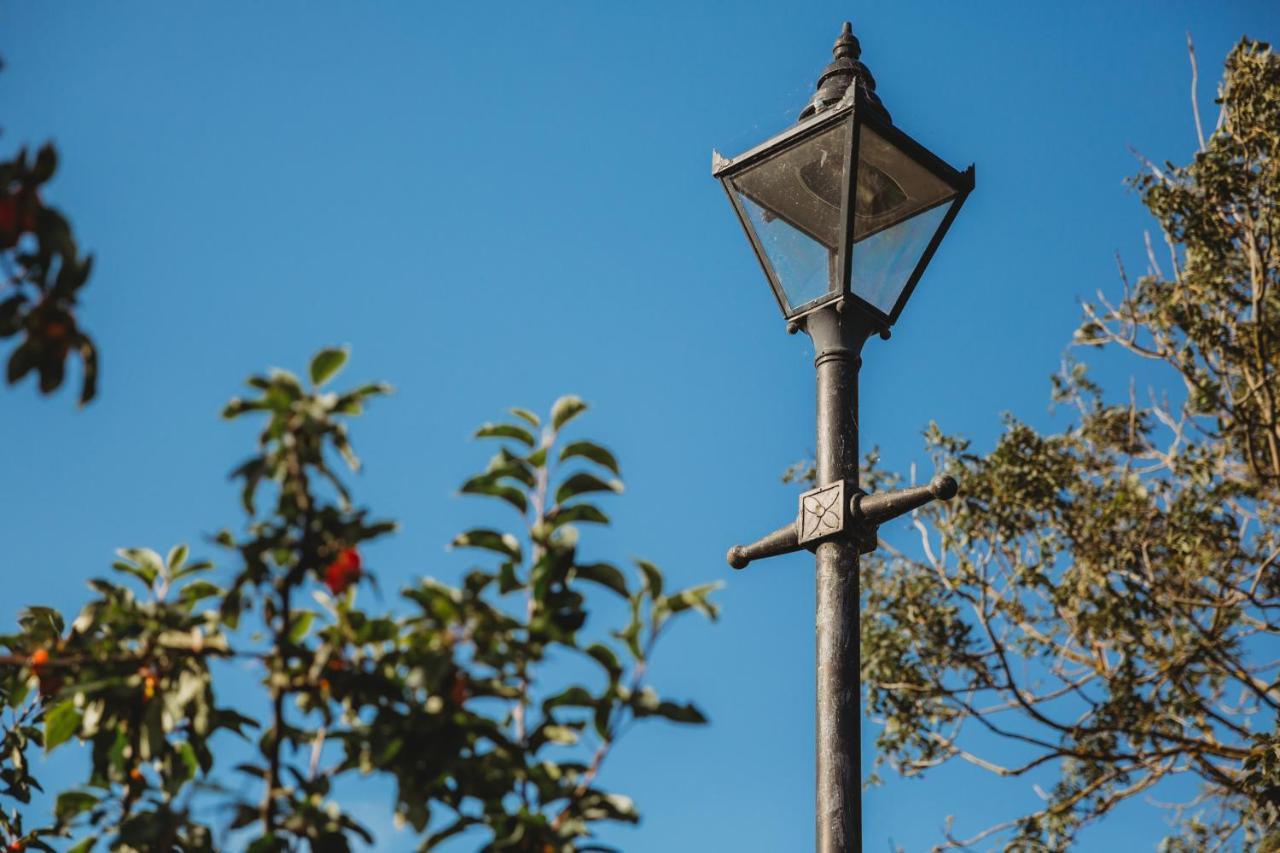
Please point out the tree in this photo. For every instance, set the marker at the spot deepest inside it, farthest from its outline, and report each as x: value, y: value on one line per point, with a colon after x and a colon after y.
x: 43, y: 272
x: 1104, y: 601
x: 454, y: 695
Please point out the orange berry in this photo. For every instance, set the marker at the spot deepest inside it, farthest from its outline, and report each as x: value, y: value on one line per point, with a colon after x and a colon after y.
x: 50, y: 682
x: 135, y: 775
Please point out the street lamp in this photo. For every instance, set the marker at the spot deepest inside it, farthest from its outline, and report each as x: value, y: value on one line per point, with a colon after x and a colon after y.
x: 844, y: 212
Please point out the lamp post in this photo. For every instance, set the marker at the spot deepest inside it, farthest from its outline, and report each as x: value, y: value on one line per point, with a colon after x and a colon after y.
x: 844, y: 212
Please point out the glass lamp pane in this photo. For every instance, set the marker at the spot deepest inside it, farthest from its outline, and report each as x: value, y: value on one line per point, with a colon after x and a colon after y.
x: 891, y: 186
x: 792, y: 201
x: 883, y: 263
x: 900, y: 206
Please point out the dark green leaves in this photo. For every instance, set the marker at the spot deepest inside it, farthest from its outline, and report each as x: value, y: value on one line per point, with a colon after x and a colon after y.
x: 491, y: 540
x: 566, y: 409
x: 487, y: 484
x: 43, y: 274
x: 72, y: 803
x: 520, y: 434
x: 652, y: 577
x: 594, y: 452
x: 142, y: 563
x: 646, y: 703
x: 583, y: 483
x: 553, y: 590
x: 61, y: 722
x: 453, y: 700
x: 605, y: 574
x: 577, y: 513
x: 527, y: 416
x: 303, y: 433
x: 696, y: 597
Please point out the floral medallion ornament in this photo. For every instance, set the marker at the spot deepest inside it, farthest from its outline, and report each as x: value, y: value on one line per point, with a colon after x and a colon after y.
x: 822, y: 512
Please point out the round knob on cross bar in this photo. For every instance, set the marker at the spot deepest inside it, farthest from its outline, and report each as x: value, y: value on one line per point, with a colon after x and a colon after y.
x: 943, y: 487
x: 784, y: 540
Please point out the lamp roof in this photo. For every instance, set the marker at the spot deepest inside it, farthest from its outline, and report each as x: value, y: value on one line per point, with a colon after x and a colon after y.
x: 844, y: 72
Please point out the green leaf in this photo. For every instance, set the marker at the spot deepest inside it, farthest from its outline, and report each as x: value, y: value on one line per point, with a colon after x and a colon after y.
x: 508, y: 581
x: 83, y: 846
x: 326, y: 364
x: 527, y: 416
x: 576, y: 513
x: 130, y: 569
x: 300, y: 625
x: 512, y: 431
x: 694, y: 597
x: 607, y: 659
x: 652, y: 577
x: 193, y: 568
x: 352, y: 402
x: 21, y: 362
x: 60, y: 723
x: 486, y: 485
x: 604, y: 574
x: 489, y: 540
x: 143, y: 563
x: 559, y: 734
x: 72, y: 803
x: 190, y: 762
x: 504, y: 465
x: 566, y: 409
x: 594, y: 452
x: 193, y: 592
x: 677, y: 713
x: 583, y: 483
x: 236, y: 407
x: 177, y: 556
x: 575, y: 696
x: 596, y: 805
x: 46, y: 163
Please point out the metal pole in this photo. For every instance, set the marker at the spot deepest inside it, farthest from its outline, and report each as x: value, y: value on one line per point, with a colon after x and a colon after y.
x: 838, y: 336
x: 838, y: 339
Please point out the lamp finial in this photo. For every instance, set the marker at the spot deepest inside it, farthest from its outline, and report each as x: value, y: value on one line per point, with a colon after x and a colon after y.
x: 844, y: 71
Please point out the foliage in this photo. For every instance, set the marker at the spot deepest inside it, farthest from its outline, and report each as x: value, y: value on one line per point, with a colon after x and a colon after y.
x: 1104, y: 601
x: 43, y: 272
x: 464, y: 696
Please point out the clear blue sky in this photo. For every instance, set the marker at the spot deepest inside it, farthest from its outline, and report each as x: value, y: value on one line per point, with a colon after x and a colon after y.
x: 497, y: 204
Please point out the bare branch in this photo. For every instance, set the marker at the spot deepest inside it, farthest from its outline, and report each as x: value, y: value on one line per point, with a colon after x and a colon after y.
x: 1195, y: 76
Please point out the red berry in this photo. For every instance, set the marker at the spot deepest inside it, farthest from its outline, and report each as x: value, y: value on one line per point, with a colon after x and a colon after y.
x: 343, y: 572
x: 460, y: 691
